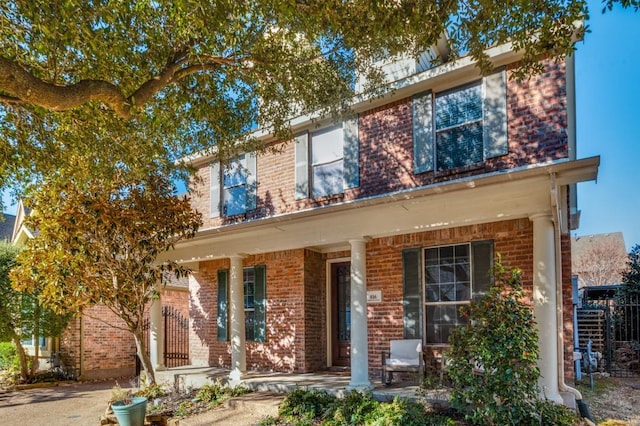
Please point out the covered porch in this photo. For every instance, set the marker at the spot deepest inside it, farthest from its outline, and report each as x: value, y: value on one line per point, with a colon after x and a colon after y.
x: 264, y: 381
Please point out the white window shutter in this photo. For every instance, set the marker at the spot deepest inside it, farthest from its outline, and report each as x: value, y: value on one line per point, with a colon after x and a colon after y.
x: 495, y: 115
x: 422, y: 133
x: 351, y: 158
x: 302, y: 166
x: 252, y: 181
x: 214, y: 193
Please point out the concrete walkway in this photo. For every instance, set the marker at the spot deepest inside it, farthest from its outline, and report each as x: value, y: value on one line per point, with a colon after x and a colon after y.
x: 66, y: 404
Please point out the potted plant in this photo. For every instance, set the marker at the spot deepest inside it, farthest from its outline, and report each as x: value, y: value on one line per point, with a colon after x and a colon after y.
x: 129, y: 410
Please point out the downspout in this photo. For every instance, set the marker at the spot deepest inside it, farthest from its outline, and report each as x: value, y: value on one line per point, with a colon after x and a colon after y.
x: 559, y: 297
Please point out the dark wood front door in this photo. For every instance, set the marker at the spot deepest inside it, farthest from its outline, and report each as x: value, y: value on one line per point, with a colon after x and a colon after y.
x: 341, y: 313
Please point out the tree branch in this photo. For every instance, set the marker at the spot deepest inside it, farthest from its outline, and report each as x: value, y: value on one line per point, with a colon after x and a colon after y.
x: 23, y: 87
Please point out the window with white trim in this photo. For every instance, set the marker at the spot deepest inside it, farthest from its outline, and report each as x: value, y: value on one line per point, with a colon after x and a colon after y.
x: 327, y: 148
x: 233, y: 186
x: 453, y: 276
x: 249, y: 281
x: 462, y: 126
x: 327, y: 160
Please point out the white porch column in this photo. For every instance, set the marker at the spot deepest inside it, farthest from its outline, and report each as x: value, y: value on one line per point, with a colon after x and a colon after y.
x: 236, y: 319
x: 545, y: 304
x: 359, y: 338
x: 156, y: 335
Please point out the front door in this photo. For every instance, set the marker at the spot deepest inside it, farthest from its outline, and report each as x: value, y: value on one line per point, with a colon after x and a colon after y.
x: 341, y: 313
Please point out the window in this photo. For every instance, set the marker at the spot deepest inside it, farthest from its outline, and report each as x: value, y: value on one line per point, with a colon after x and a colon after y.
x: 234, y: 181
x: 249, y: 303
x: 437, y: 281
x: 327, y: 147
x: 254, y: 286
x: 458, y: 123
x: 450, y: 282
x: 462, y: 126
x: 327, y: 161
x: 233, y: 186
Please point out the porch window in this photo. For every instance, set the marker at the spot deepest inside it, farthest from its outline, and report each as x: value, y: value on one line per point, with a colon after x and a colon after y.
x: 254, y: 285
x: 453, y: 276
x: 437, y: 281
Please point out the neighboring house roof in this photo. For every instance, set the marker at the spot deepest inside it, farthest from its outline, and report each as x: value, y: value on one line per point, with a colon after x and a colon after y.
x: 581, y: 243
x: 6, y: 227
x: 21, y: 233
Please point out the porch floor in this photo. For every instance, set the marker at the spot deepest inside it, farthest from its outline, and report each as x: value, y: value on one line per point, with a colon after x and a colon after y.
x: 334, y: 383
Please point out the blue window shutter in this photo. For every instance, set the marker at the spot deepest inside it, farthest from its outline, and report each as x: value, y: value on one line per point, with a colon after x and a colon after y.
x: 260, y: 304
x: 351, y: 159
x: 412, y: 296
x: 252, y: 181
x: 214, y: 193
x: 422, y: 133
x: 223, y: 306
x: 495, y: 115
x: 302, y: 166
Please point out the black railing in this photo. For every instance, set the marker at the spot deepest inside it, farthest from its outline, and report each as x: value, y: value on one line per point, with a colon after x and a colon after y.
x: 176, y: 337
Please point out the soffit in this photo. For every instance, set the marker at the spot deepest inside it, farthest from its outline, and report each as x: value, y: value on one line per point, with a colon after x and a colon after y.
x: 488, y: 198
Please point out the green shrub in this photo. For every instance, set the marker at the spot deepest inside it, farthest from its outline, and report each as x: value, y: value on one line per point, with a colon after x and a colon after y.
x: 399, y: 412
x: 549, y: 413
x: 8, y: 356
x: 214, y: 393
x: 152, y: 392
x: 500, y: 337
x: 306, y: 405
x: 354, y: 409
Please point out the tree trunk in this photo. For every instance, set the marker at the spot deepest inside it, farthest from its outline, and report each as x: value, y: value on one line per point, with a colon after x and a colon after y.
x: 36, y: 337
x: 145, y: 359
x: 22, y: 356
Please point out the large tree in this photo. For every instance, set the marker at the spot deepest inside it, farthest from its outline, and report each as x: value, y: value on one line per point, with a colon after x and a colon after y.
x: 145, y: 82
x: 97, y: 243
x: 599, y: 259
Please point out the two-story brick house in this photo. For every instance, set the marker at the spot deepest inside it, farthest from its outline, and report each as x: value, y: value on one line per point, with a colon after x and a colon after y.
x: 381, y: 226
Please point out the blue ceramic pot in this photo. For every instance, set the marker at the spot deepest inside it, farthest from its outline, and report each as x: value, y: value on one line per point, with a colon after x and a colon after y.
x: 130, y: 414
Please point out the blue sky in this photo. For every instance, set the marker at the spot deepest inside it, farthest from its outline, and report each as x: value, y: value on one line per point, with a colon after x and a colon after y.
x: 608, y: 121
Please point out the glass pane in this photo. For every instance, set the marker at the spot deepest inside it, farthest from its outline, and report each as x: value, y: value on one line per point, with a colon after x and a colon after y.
x: 249, y: 325
x: 235, y: 200
x: 432, y: 294
x: 235, y: 173
x: 432, y: 274
x: 431, y: 256
x: 458, y: 107
x: 327, y: 145
x: 459, y: 146
x: 446, y: 255
x: 327, y: 179
x: 344, y: 303
x: 441, y: 320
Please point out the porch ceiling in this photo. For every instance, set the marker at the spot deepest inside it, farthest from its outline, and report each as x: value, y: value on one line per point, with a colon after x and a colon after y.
x: 500, y: 196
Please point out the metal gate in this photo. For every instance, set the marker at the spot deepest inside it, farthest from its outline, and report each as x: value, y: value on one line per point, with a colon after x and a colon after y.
x: 176, y: 337
x: 612, y: 324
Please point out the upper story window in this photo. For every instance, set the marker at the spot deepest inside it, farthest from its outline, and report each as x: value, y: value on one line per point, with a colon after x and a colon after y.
x: 327, y: 161
x: 233, y: 186
x: 462, y: 126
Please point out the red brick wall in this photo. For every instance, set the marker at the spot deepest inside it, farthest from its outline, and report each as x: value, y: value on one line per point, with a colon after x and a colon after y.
x: 537, y: 123
x: 106, y: 350
x: 296, y: 296
x: 512, y: 239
